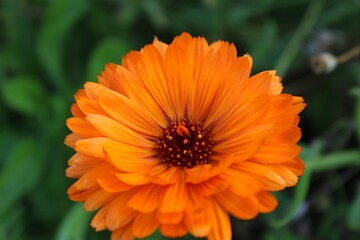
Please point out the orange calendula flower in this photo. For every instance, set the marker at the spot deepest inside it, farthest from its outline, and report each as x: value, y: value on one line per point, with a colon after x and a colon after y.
x: 180, y: 136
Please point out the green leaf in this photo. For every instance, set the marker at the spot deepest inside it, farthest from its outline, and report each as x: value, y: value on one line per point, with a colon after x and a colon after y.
x: 75, y: 224
x: 61, y: 16
x: 20, y: 173
x: 24, y: 94
x: 12, y: 226
x: 353, y: 219
x: 109, y: 50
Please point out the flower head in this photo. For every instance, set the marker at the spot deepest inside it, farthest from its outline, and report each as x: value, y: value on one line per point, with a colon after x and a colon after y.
x: 180, y: 136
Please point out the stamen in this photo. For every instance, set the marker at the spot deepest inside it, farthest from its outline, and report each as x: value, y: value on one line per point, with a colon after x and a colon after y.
x: 184, y: 144
x: 182, y: 130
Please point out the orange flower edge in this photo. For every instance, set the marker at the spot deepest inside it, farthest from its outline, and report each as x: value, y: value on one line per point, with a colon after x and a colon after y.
x: 180, y: 136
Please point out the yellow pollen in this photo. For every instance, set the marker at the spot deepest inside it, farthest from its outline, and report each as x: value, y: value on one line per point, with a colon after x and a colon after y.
x: 185, y: 141
x: 199, y: 136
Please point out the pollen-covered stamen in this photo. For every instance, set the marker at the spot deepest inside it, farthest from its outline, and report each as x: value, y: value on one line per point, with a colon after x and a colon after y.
x: 184, y: 144
x: 182, y: 130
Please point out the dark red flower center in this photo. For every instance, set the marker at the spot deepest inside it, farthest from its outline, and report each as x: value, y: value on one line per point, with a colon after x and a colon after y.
x: 184, y: 144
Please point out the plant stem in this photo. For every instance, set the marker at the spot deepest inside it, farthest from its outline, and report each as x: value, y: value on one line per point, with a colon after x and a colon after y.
x: 334, y: 160
x: 349, y: 54
x: 298, y: 38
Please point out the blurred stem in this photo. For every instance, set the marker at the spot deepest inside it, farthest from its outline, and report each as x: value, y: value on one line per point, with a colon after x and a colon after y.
x: 217, y: 19
x: 319, y: 163
x: 357, y: 113
x: 296, y: 41
x: 334, y: 160
x: 300, y: 194
x: 354, y: 52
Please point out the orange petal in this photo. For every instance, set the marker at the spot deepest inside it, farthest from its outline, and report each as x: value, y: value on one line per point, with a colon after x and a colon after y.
x: 240, y: 207
x: 87, y: 105
x: 298, y: 104
x: 76, y: 111
x: 175, y: 197
x: 162, y: 47
x: 79, y: 195
x: 139, y: 93
x: 199, y: 223
x: 295, y: 165
x: 271, y: 180
x: 123, y: 233
x: 145, y: 224
x: 118, y: 132
x: 111, y: 79
x: 89, y: 179
x: 164, y: 175
x: 290, y: 135
x: 92, y: 147
x: 169, y: 218
x: 130, y: 62
x: 211, y: 186
x: 178, y: 77
x: 241, y: 118
x: 246, y: 143
x: 276, y: 86
x: 232, y: 74
x: 276, y: 153
x: 133, y: 178
x: 153, y: 75
x: 82, y: 127
x: 99, y: 220
x: 290, y: 178
x: 173, y: 230
x: 205, y: 88
x: 119, y: 214
x: 242, y: 184
x: 127, y: 112
x: 97, y: 199
x: 198, y: 215
x: 267, y: 202
x: 146, y: 198
x: 80, y: 164
x: 112, y: 184
x: 204, y: 172
x: 79, y: 159
x: 71, y: 139
x: 221, y: 224
x: 130, y: 162
x: 279, y: 105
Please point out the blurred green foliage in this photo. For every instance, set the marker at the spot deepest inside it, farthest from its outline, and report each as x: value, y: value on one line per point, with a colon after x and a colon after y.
x: 49, y: 48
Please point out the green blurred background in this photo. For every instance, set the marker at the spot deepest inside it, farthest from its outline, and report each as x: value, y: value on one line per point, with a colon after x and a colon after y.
x: 49, y: 48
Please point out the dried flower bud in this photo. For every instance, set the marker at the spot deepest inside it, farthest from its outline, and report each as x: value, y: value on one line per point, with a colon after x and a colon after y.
x: 323, y: 63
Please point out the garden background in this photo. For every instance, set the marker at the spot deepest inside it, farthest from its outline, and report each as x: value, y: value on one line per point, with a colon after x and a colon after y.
x: 49, y: 48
